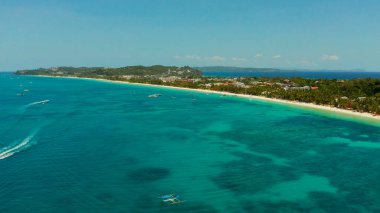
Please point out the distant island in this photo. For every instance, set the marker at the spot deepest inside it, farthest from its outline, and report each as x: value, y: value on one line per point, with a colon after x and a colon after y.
x: 237, y: 69
x: 356, y: 95
x: 255, y: 69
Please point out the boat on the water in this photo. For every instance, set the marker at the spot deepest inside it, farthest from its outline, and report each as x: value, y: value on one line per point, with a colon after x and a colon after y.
x: 171, y: 199
x: 40, y: 102
x: 154, y: 95
x: 44, y: 102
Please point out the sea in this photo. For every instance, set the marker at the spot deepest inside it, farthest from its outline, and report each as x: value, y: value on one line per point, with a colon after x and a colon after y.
x: 305, y: 74
x: 76, y: 145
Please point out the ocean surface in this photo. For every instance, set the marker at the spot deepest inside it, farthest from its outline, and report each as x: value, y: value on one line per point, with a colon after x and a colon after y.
x: 74, y: 145
x: 304, y: 74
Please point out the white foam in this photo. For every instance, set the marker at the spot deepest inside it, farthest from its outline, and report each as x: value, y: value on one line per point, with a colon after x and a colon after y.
x: 39, y: 102
x: 25, y: 107
x: 11, y: 150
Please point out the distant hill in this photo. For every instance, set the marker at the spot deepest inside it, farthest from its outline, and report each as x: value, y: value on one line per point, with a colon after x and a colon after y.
x: 237, y: 69
x: 247, y: 69
x: 156, y: 70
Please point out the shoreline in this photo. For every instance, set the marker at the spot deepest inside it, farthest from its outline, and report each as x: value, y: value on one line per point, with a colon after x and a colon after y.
x: 364, y: 115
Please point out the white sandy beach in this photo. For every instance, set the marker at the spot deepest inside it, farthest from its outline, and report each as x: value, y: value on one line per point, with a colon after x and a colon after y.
x: 294, y: 103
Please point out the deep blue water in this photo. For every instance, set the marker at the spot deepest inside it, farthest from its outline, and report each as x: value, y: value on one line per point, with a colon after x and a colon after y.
x: 106, y: 147
x: 305, y: 74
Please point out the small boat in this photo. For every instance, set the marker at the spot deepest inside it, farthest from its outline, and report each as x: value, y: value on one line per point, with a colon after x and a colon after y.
x: 26, y: 90
x: 154, y: 95
x: 43, y: 102
x: 171, y: 199
x: 168, y: 196
x: 40, y: 102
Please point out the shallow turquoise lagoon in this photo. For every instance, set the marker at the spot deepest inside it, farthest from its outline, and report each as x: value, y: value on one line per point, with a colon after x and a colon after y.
x: 107, y: 147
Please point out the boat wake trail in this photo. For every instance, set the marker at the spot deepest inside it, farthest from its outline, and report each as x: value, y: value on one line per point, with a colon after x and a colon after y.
x: 38, y: 102
x: 17, y: 147
x: 25, y: 107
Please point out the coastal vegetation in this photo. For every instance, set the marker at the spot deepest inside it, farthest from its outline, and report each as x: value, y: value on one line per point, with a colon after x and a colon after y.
x: 362, y: 95
x: 96, y: 72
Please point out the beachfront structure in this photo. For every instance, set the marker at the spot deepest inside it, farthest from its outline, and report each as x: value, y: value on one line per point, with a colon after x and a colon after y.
x: 304, y: 88
x: 170, y: 79
x: 241, y: 85
x: 358, y: 94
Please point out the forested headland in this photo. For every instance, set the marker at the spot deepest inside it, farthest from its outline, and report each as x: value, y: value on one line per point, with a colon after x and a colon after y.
x: 362, y: 95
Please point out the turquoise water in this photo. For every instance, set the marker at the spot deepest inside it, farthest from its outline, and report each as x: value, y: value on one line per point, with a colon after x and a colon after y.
x: 107, y: 147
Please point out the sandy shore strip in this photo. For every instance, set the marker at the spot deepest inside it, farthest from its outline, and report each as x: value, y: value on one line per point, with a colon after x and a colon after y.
x: 294, y: 103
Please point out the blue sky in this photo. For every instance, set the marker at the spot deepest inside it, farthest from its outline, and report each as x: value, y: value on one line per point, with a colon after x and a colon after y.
x: 307, y: 34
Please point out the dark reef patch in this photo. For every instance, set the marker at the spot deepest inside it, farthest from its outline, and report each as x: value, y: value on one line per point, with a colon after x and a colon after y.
x: 148, y: 203
x: 105, y: 196
x: 247, y: 176
x: 283, y: 207
x: 148, y: 174
x: 252, y: 158
x: 331, y: 203
x: 350, y: 171
x: 188, y: 208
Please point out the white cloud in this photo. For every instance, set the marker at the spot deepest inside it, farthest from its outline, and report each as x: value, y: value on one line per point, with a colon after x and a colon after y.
x: 215, y: 58
x: 330, y: 57
x: 193, y: 57
x: 188, y: 57
x: 206, y: 58
x: 276, y: 56
x: 238, y: 59
x: 259, y: 55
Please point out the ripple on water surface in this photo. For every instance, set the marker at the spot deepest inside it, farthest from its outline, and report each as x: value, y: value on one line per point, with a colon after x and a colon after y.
x: 109, y: 148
